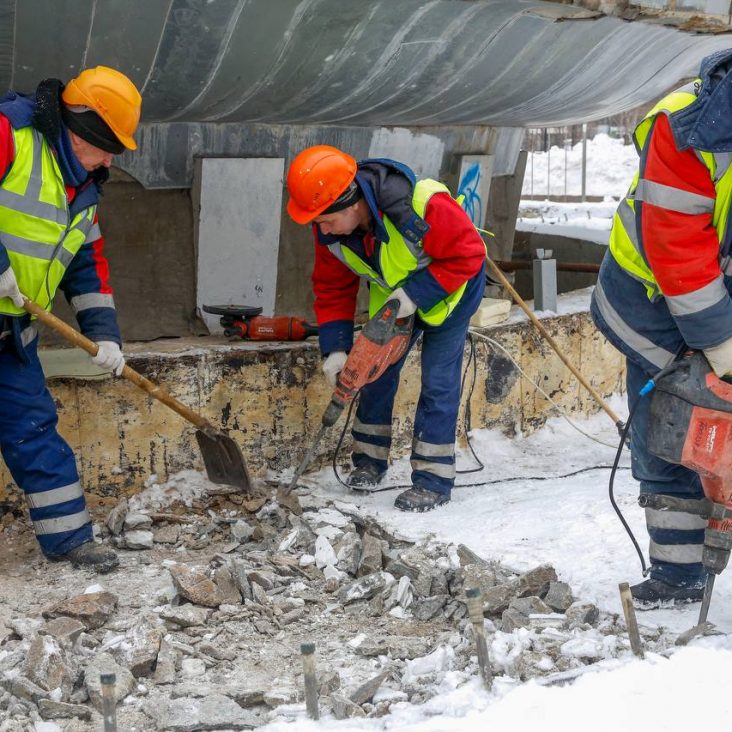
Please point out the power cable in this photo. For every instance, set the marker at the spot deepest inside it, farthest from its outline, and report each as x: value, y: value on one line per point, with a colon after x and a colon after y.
x: 556, y: 406
x: 472, y: 360
x: 649, y: 386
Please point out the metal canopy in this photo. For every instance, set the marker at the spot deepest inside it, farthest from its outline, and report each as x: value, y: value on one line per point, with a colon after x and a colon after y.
x: 354, y: 62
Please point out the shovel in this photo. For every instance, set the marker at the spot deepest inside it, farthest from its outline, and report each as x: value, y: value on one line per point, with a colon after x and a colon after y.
x: 221, y: 455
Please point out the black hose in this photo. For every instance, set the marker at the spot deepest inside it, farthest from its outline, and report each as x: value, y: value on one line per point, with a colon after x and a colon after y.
x: 611, y: 487
x: 467, y: 414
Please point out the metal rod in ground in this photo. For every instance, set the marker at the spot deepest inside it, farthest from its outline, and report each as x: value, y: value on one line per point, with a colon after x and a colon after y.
x: 109, y: 702
x: 630, y: 620
x: 707, y: 598
x: 311, y: 680
x: 475, y: 613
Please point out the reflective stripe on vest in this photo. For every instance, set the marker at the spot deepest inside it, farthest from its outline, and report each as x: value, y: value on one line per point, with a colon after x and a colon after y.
x: 34, y: 221
x: 656, y: 355
x: 625, y: 244
x: 399, y: 258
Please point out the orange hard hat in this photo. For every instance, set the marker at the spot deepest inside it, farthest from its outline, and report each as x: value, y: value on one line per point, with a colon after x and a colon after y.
x: 316, y: 178
x: 112, y: 96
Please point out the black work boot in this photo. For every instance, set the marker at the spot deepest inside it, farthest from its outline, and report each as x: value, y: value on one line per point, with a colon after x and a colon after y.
x: 90, y: 555
x: 365, y: 477
x: 420, y: 500
x: 653, y: 593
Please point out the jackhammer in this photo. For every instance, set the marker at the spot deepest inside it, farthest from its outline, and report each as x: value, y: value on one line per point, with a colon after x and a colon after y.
x: 382, y: 342
x: 691, y: 424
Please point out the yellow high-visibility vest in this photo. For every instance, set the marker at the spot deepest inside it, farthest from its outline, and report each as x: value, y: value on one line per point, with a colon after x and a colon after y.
x: 624, y: 240
x: 36, y: 227
x: 399, y: 258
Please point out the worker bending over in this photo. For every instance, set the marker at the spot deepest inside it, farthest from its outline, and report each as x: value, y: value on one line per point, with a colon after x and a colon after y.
x: 410, y: 240
x: 663, y: 288
x: 55, y: 150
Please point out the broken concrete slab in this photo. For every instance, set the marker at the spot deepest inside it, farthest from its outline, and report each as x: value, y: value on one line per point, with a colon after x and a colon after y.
x: 92, y: 608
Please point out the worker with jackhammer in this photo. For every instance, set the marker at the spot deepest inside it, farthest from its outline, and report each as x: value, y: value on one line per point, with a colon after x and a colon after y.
x: 664, y: 286
x: 411, y: 241
x: 56, y: 147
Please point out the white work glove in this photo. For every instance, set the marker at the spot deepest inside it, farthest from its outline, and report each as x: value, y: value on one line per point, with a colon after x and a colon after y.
x: 333, y: 364
x: 406, y: 305
x: 109, y: 357
x: 9, y: 287
x: 720, y: 358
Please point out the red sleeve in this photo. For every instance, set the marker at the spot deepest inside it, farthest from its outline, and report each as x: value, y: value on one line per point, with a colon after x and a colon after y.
x: 7, y: 147
x: 682, y: 249
x: 334, y: 285
x: 453, y: 242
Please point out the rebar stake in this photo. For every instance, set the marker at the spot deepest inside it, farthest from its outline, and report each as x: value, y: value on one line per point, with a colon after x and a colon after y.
x: 475, y: 612
x: 109, y: 702
x: 630, y: 620
x: 311, y: 681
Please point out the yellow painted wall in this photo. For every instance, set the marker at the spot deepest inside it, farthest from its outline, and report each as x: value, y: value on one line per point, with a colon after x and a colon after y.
x: 270, y: 398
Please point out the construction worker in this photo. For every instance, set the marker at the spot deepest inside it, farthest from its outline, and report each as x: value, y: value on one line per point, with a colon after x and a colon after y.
x: 663, y: 288
x: 55, y: 151
x: 410, y: 240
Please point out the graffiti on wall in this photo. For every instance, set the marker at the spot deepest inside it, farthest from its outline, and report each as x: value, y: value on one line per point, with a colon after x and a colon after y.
x: 474, y: 185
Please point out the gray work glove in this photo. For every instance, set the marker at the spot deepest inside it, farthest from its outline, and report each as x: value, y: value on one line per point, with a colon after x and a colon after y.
x: 333, y: 364
x: 109, y: 357
x: 9, y: 287
x: 720, y: 358
x: 407, y: 306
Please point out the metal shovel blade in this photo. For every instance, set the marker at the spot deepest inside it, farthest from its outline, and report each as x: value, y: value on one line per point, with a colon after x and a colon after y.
x: 223, y: 460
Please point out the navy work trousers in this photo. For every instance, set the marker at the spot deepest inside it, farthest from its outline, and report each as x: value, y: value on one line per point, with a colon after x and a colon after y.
x: 435, y: 422
x: 676, y: 538
x: 38, y: 458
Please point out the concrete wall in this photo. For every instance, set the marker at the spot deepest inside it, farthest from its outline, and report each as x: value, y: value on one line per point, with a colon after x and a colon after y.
x: 149, y: 231
x: 149, y: 245
x: 270, y: 398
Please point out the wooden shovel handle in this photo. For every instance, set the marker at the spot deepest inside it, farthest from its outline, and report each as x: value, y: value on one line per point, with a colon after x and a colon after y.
x: 158, y: 392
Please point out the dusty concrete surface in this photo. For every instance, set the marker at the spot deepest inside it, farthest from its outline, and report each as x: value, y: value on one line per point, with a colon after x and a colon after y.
x: 270, y: 398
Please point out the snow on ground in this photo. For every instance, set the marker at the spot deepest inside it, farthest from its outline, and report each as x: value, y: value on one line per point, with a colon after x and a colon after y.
x: 569, y: 523
x: 589, y: 221
x: 611, y: 166
x: 565, y: 521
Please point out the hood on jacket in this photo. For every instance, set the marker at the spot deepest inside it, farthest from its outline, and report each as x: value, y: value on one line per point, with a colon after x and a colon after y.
x: 706, y: 123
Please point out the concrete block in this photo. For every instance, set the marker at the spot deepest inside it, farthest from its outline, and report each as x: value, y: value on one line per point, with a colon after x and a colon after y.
x: 237, y: 232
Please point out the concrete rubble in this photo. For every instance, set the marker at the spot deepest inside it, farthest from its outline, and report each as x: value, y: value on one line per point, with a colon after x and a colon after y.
x: 202, y: 624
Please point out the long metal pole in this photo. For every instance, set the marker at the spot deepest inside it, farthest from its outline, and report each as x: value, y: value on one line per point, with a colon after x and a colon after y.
x: 584, y: 161
x: 531, y: 185
x: 520, y: 302
x: 548, y: 164
x: 516, y: 264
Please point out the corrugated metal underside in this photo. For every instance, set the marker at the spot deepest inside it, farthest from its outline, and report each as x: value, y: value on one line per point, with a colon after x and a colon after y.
x: 383, y: 62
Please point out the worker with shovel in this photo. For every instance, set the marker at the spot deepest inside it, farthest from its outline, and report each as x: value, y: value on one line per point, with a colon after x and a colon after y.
x: 56, y: 147
x: 664, y: 287
x: 410, y: 240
